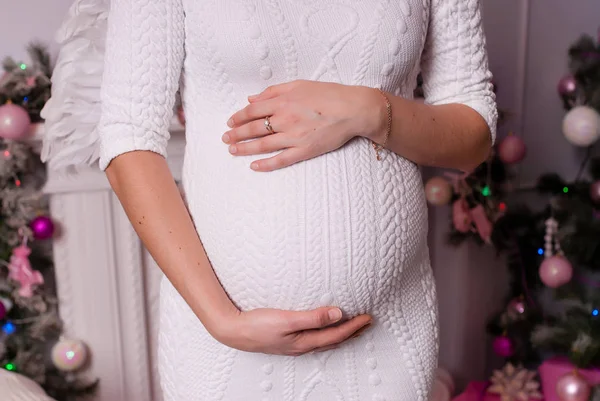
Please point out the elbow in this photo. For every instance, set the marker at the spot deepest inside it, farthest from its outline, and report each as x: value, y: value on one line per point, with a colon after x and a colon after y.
x: 479, y: 139
x: 478, y: 151
x: 482, y: 134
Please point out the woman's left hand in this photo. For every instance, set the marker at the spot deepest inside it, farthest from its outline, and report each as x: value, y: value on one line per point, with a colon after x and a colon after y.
x: 308, y: 118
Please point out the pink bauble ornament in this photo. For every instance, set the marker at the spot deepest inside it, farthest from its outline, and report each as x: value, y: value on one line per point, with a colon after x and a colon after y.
x: 42, y: 227
x: 440, y: 392
x: 69, y: 355
x: 445, y: 377
x: 567, y: 86
x: 555, y: 271
x: 438, y: 191
x: 512, y: 149
x: 595, y: 192
x: 517, y: 306
x: 581, y: 126
x: 181, y: 115
x: 573, y: 387
x: 503, y: 346
x: 3, y: 311
x: 14, y: 122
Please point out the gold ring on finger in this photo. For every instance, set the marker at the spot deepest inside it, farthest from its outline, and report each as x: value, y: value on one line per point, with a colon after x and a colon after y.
x: 268, y: 125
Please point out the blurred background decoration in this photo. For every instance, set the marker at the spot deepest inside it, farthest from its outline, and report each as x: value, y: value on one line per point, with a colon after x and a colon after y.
x: 550, y: 323
x: 35, y: 359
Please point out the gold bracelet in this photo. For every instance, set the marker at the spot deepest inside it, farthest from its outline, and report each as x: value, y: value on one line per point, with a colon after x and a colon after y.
x: 379, y: 147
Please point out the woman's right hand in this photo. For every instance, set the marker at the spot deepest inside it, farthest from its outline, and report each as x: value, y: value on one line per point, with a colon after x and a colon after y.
x: 153, y: 203
x: 280, y: 332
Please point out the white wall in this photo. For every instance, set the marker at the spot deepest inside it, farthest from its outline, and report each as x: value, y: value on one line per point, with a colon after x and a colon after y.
x: 22, y: 21
x: 554, y: 26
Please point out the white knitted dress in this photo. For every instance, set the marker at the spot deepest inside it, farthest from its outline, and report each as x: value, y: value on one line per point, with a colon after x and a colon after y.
x: 341, y: 229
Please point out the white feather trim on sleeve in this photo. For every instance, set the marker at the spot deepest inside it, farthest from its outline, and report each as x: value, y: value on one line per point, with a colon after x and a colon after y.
x: 72, y: 113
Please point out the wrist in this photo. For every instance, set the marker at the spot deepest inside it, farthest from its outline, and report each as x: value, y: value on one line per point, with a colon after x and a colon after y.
x: 223, y: 327
x: 218, y: 315
x: 377, y: 116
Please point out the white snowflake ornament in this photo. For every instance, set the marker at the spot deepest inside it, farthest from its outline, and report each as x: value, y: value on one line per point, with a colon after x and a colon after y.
x: 515, y: 384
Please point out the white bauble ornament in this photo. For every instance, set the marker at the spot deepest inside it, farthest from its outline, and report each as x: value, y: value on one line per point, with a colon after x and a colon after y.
x: 573, y: 387
x: 69, y: 355
x: 16, y: 387
x: 443, y: 387
x: 445, y: 377
x: 581, y: 126
x: 8, y: 304
x: 440, y: 391
x: 438, y: 191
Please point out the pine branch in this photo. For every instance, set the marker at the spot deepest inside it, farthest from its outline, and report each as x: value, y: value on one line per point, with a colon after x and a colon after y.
x: 584, y: 64
x: 9, y: 65
x: 586, y: 159
x: 594, y: 168
x: 595, y: 393
x: 547, y: 336
x: 40, y: 57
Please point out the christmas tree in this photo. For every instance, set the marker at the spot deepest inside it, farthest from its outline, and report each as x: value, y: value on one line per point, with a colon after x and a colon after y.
x: 27, y: 84
x: 30, y: 327
x: 554, y: 253
x: 552, y: 246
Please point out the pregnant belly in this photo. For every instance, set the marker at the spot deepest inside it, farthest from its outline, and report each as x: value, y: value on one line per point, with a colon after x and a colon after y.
x: 338, y: 229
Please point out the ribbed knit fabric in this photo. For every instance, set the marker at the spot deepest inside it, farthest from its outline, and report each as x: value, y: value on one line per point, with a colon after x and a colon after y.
x: 341, y: 229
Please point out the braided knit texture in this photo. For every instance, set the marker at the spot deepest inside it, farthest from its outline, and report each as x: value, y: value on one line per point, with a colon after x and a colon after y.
x: 343, y: 228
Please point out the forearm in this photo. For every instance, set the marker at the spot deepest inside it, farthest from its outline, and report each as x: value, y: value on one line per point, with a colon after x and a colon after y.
x: 151, y: 199
x: 447, y: 136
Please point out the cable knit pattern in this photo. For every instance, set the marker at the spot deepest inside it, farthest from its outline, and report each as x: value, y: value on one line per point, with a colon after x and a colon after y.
x: 341, y: 229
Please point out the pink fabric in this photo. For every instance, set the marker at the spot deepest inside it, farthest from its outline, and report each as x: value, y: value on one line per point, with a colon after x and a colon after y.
x: 20, y: 270
x: 482, y: 224
x: 553, y: 369
x: 474, y: 392
x: 461, y: 216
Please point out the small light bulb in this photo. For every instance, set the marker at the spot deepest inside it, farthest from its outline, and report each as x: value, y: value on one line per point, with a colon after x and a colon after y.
x: 9, y: 328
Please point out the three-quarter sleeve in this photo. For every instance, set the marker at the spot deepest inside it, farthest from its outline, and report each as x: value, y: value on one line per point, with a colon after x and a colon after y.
x: 454, y: 63
x: 142, y: 68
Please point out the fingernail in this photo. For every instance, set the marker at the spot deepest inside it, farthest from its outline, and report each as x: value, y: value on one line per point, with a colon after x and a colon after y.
x: 335, y: 314
x: 232, y: 149
x: 254, y: 166
x: 252, y: 97
x: 226, y: 138
x: 230, y: 123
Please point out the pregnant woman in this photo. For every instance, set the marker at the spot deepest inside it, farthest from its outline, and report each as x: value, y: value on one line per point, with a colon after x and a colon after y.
x: 296, y: 265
